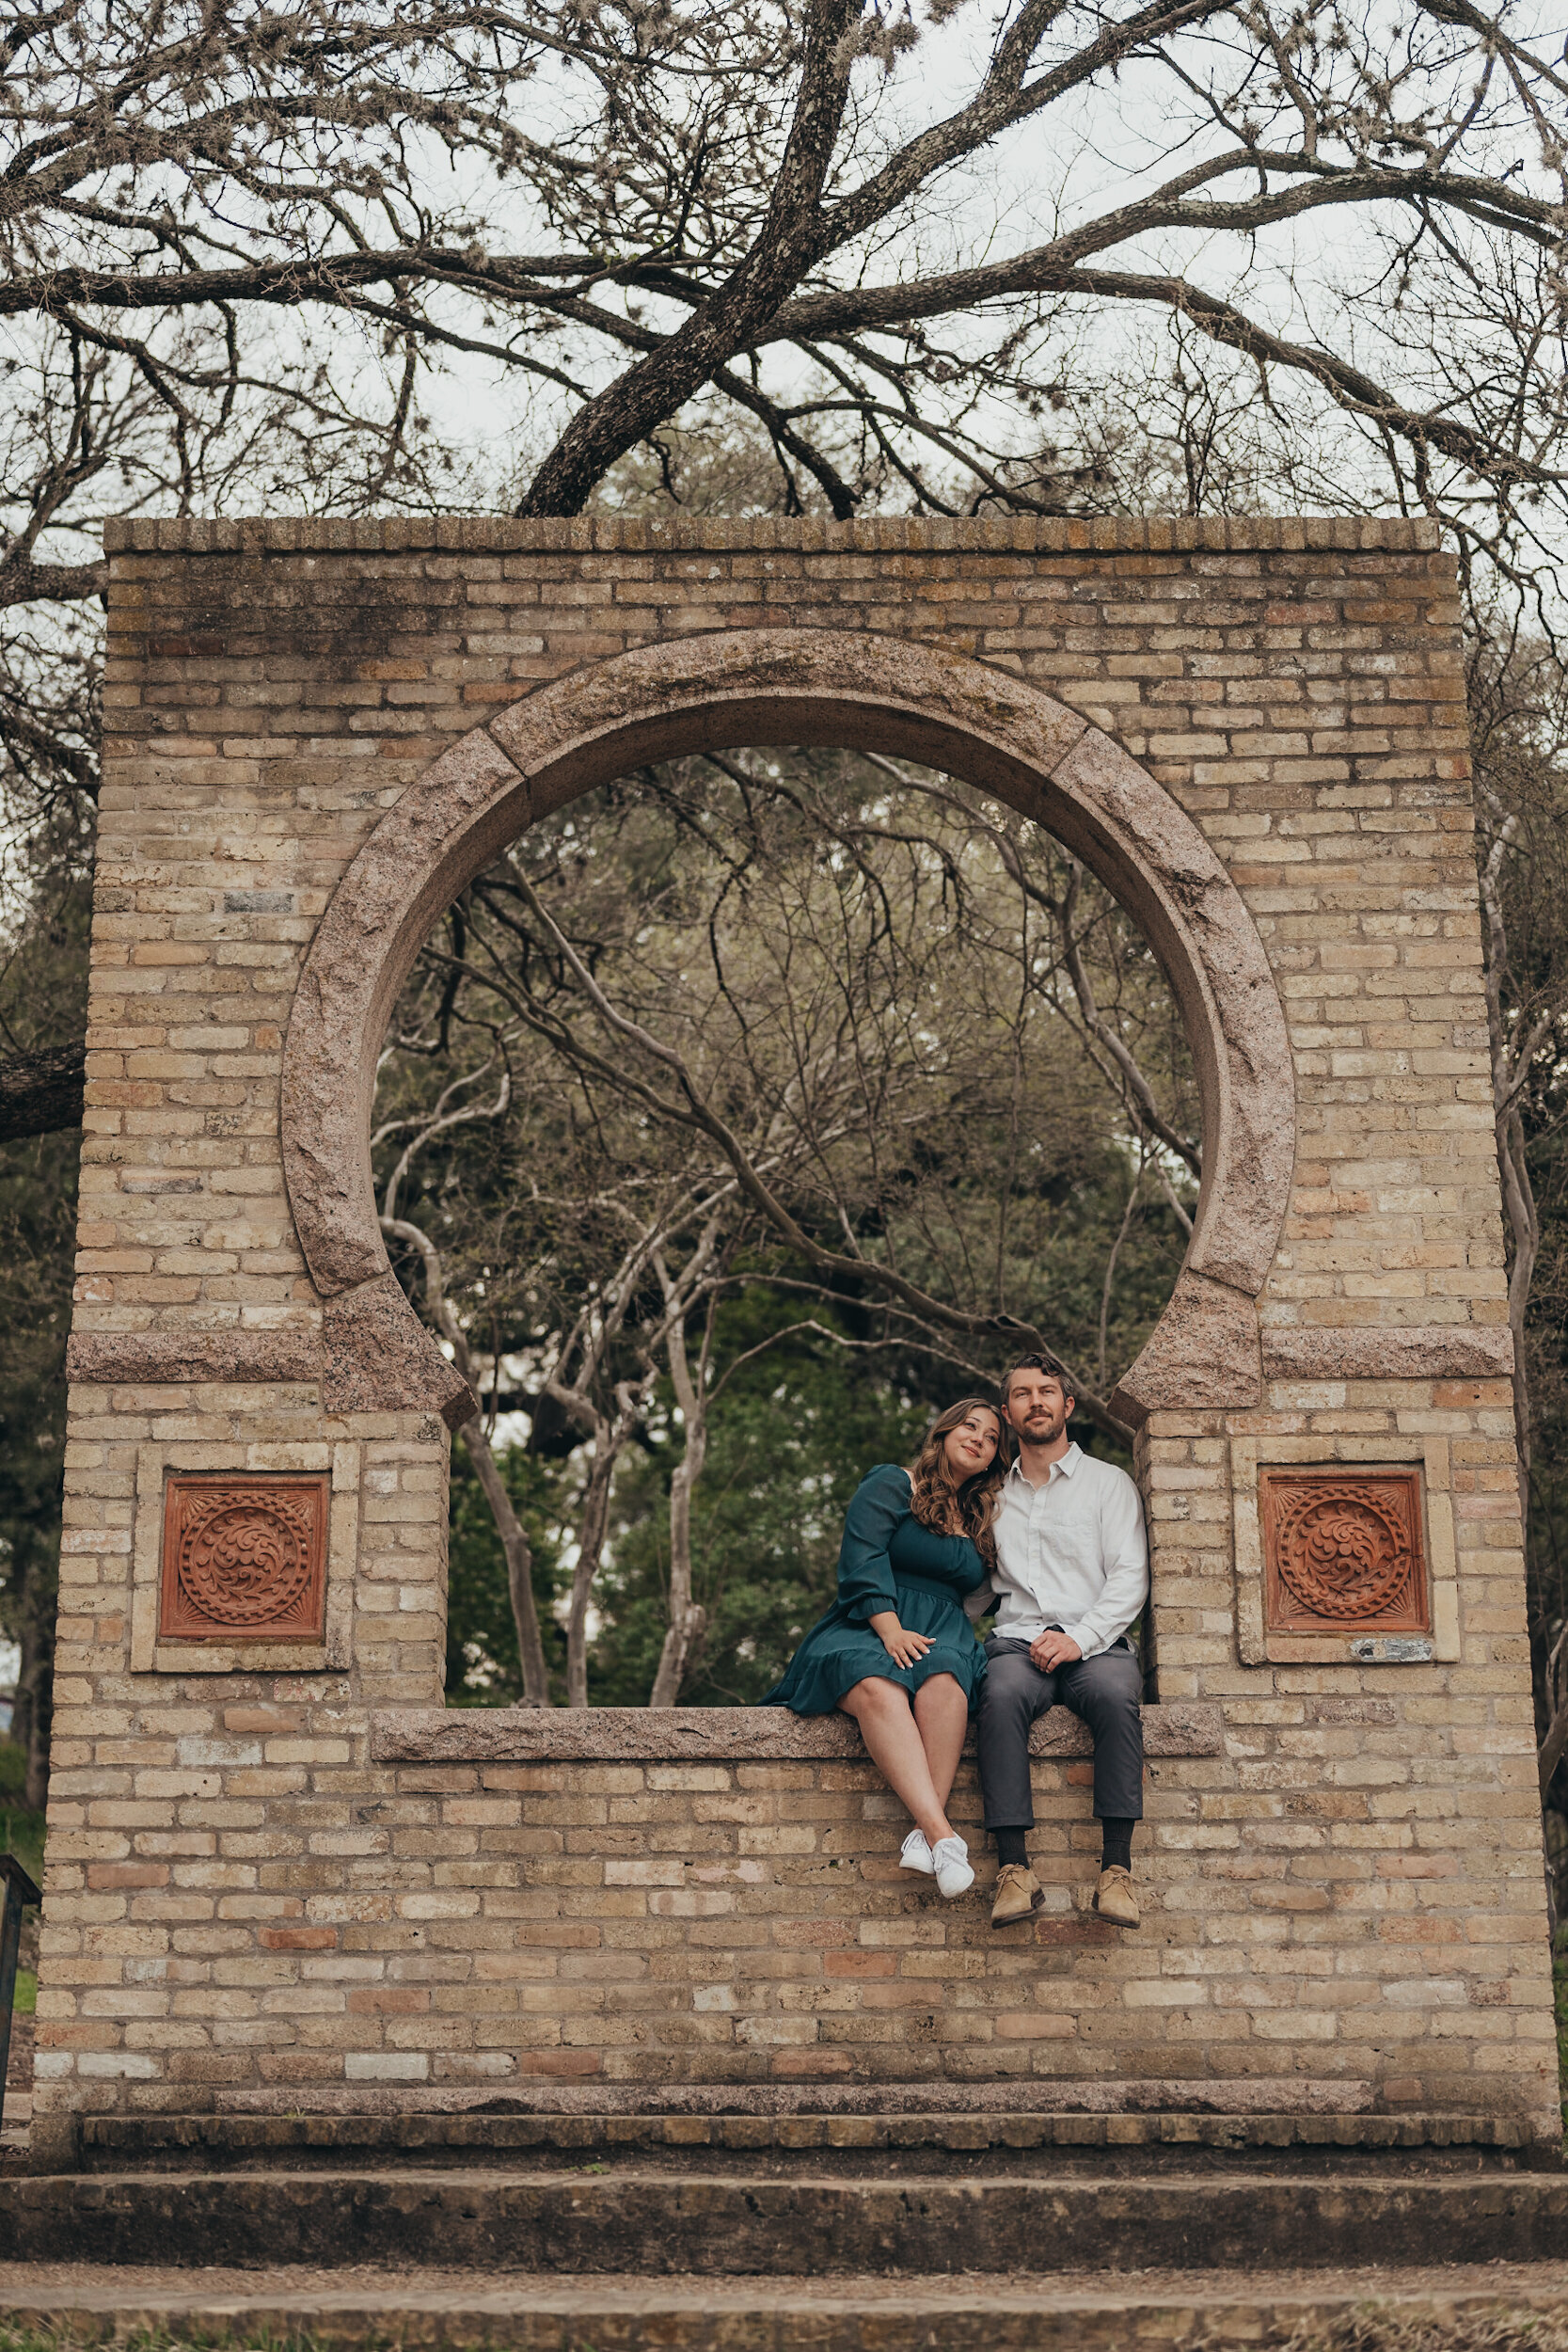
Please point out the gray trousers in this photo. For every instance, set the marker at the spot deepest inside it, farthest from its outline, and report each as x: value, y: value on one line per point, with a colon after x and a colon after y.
x: 1104, y: 1693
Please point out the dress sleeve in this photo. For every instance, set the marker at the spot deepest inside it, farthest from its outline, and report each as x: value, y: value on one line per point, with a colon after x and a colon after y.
x: 864, y: 1570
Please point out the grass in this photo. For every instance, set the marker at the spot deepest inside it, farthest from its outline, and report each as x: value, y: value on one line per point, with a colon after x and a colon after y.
x: 1373, y: 2331
x: 21, y: 1833
x: 220, y: 2337
x: 1371, y: 2328
x: 68, y: 2339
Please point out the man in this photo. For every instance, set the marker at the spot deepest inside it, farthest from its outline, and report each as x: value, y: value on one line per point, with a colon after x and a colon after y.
x: 1073, y: 1574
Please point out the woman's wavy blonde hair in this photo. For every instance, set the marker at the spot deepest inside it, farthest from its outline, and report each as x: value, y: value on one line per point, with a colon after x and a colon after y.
x: 962, y: 1510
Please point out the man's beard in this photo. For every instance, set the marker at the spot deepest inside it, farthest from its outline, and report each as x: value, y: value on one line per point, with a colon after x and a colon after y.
x: 1032, y: 1433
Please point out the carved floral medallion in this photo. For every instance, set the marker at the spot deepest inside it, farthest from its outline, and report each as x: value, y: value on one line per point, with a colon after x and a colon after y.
x: 1343, y: 1551
x: 244, y: 1559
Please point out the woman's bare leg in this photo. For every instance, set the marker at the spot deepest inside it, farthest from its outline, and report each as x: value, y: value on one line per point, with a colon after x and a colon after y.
x: 942, y: 1717
x: 893, y: 1742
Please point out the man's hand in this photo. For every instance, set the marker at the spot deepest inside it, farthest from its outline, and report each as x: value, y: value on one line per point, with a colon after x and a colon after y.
x: 1054, y: 1648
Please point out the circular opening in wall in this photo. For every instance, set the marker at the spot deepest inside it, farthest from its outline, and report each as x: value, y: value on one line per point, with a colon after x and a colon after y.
x: 738, y: 1117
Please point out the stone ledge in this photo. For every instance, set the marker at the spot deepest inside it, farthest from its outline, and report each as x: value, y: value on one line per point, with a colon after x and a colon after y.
x: 110, y: 2142
x: 477, y: 535
x: 330, y: 2104
x: 720, y: 1735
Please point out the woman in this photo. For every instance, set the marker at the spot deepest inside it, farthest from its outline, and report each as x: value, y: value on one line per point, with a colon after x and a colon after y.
x: 895, y: 1652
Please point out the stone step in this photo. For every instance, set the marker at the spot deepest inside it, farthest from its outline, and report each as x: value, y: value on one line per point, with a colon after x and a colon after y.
x: 1157, y: 2311
x: 628, y: 2218
x: 1105, y: 2143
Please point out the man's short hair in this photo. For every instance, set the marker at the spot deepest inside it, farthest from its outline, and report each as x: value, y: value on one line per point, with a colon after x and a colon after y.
x: 1047, y: 1364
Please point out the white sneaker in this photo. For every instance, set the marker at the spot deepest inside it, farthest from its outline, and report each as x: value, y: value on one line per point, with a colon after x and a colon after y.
x: 916, y: 1854
x: 950, y: 1857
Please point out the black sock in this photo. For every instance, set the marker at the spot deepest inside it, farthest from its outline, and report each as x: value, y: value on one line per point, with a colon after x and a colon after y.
x: 1117, y: 1847
x: 1012, y: 1845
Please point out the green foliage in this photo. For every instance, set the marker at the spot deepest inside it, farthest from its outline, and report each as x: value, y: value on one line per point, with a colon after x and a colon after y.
x: 896, y: 993
x: 41, y: 990
x: 483, y: 1667
x: 20, y: 1829
x: 792, y: 1437
x: 1518, y: 695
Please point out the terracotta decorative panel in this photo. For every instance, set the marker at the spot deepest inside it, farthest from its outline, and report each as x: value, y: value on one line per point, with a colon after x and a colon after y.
x: 1343, y: 1551
x: 244, y: 1559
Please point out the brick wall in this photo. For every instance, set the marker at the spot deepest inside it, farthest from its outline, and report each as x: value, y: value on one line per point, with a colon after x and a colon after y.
x: 243, y: 1906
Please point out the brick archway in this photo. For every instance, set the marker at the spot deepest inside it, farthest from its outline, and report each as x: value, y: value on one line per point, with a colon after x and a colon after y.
x: 724, y: 690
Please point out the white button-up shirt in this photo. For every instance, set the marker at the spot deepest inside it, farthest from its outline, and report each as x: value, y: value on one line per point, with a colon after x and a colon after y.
x: 1070, y: 1553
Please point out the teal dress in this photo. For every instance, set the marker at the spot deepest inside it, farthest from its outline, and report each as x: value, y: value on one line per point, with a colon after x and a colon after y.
x: 888, y: 1561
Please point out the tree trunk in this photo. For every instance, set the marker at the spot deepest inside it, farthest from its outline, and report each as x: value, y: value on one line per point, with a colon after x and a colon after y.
x: 30, y: 1720
x: 1525, y: 1232
x: 1511, y: 1056
x: 687, y: 1622
x: 515, y: 1547
x: 595, y: 1520
x: 519, y: 1564
x: 1511, y: 1060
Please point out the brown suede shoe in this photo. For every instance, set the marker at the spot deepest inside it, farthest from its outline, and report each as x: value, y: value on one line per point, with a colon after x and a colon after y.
x: 1019, y: 1896
x: 1113, y: 1898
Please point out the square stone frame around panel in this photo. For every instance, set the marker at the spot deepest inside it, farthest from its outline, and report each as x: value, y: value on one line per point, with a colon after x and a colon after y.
x: 1429, y: 1455
x: 335, y: 1653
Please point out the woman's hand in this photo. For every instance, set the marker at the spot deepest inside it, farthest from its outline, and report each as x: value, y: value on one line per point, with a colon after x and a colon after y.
x: 904, y: 1649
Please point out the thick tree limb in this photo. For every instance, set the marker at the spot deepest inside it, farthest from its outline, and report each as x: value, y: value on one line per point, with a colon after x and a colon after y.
x: 52, y: 583
x: 41, y: 1093
x: 1044, y: 272
x: 786, y: 243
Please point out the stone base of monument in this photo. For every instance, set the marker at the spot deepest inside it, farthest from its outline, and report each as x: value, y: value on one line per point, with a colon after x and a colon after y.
x: 776, y: 2212
x: 844, y: 2233
x: 1457, y: 2306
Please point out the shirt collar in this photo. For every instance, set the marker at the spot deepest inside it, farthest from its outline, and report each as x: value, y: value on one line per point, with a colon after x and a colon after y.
x: 1068, y: 1464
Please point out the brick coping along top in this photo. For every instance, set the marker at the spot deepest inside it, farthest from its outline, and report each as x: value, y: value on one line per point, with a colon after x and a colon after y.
x: 499, y: 535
